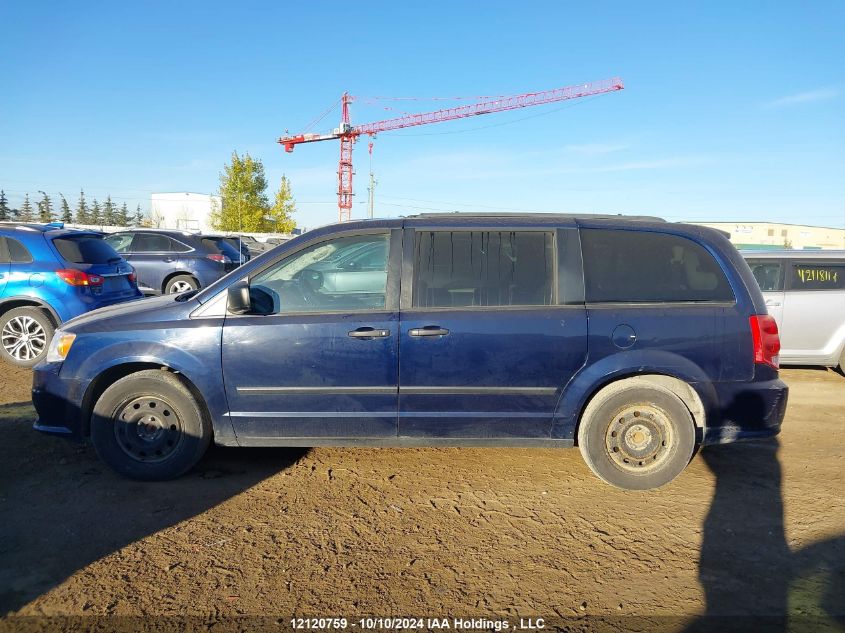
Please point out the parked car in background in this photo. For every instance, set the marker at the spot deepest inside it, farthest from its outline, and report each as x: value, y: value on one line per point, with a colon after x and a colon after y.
x: 805, y: 292
x: 255, y: 247
x: 49, y: 275
x: 473, y: 332
x: 169, y: 262
x: 238, y: 245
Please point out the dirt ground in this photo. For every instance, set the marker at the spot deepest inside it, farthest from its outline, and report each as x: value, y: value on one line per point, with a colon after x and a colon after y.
x: 754, y: 528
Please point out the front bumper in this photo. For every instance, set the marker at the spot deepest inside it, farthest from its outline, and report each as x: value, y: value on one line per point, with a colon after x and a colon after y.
x: 747, y: 411
x: 58, y: 402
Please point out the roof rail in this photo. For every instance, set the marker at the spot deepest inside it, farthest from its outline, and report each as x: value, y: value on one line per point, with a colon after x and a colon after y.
x: 585, y: 216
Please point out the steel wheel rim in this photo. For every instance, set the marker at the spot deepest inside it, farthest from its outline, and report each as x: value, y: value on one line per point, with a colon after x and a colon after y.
x: 23, y: 338
x: 180, y: 286
x: 148, y: 429
x: 639, y: 438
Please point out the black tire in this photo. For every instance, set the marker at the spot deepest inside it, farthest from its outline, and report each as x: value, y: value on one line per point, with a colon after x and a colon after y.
x: 149, y: 426
x: 180, y: 283
x: 842, y: 362
x: 25, y: 335
x: 636, y: 437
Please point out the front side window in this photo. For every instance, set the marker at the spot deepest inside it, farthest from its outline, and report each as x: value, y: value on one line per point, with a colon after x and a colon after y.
x: 483, y: 268
x: 327, y: 276
x: 644, y: 267
x: 812, y: 276
x: 769, y: 275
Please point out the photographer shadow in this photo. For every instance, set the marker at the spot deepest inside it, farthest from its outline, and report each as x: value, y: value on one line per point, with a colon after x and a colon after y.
x: 63, y: 509
x: 751, y: 578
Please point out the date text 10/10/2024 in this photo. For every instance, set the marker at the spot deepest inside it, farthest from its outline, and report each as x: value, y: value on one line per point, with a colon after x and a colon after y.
x: 398, y: 624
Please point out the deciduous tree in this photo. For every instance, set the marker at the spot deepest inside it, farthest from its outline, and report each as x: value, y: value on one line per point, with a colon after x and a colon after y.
x: 281, y: 213
x: 243, y: 188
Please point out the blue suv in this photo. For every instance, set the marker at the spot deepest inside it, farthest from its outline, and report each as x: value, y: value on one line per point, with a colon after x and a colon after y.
x: 634, y: 339
x: 170, y: 262
x: 49, y: 275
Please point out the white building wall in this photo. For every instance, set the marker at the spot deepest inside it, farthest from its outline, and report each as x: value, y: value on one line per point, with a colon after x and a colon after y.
x: 779, y: 235
x: 182, y: 210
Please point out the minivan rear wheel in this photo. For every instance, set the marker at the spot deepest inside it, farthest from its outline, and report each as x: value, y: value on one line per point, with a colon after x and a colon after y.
x: 636, y: 437
x: 25, y: 335
x: 149, y: 426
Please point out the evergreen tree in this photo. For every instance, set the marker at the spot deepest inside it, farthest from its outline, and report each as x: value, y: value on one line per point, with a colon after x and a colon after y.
x: 45, y: 209
x: 25, y: 214
x: 123, y: 217
x: 281, y: 213
x: 243, y: 188
x: 66, y: 214
x: 5, y: 211
x: 95, y: 214
x: 109, y: 217
x: 139, y: 216
x: 82, y: 215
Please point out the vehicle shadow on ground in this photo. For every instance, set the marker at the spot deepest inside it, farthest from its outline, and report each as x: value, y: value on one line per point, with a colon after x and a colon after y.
x: 752, y: 580
x: 63, y: 509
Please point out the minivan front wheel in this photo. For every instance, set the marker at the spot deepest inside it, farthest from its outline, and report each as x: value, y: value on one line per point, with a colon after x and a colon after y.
x: 149, y: 426
x: 25, y: 335
x: 636, y: 437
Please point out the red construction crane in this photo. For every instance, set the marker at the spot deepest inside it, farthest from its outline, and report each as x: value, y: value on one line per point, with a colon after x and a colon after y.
x: 348, y: 134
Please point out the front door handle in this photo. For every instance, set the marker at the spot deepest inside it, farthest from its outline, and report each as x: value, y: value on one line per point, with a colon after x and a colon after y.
x: 428, y: 330
x: 771, y: 303
x: 367, y: 333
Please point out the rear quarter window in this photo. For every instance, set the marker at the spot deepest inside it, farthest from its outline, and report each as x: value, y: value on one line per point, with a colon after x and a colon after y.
x: 85, y: 249
x: 644, y: 267
x: 17, y: 252
x: 815, y: 276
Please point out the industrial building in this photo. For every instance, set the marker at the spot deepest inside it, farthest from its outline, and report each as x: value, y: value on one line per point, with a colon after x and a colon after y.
x: 183, y: 210
x: 774, y: 235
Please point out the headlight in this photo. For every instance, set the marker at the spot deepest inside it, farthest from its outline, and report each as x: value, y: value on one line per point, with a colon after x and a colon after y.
x: 60, y: 346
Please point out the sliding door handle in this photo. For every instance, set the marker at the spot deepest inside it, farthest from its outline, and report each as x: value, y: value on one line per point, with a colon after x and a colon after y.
x: 368, y: 333
x: 428, y: 330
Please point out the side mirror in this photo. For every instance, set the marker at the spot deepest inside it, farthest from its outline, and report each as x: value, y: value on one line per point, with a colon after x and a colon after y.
x: 238, y: 298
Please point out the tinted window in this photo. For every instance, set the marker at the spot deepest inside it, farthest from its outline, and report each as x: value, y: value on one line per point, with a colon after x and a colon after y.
x: 482, y: 268
x: 179, y: 247
x: 85, y: 249
x: 814, y: 276
x: 18, y: 253
x: 221, y: 245
x: 151, y: 243
x: 768, y: 275
x: 316, y: 279
x: 120, y: 242
x: 644, y: 267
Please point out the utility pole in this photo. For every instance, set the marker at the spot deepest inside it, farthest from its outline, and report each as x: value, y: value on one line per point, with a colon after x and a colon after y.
x: 371, y: 191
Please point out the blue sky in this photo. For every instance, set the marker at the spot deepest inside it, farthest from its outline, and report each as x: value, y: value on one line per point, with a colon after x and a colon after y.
x: 732, y: 110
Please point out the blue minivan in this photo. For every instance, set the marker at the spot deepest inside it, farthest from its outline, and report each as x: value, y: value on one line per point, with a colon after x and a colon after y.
x: 634, y: 339
x: 48, y: 275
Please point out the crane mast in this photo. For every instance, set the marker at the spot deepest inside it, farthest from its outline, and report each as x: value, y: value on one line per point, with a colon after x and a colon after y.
x: 348, y: 134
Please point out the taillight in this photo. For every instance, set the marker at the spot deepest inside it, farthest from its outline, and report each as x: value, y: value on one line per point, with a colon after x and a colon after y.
x: 132, y: 277
x: 219, y: 257
x: 75, y: 277
x: 764, y: 334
